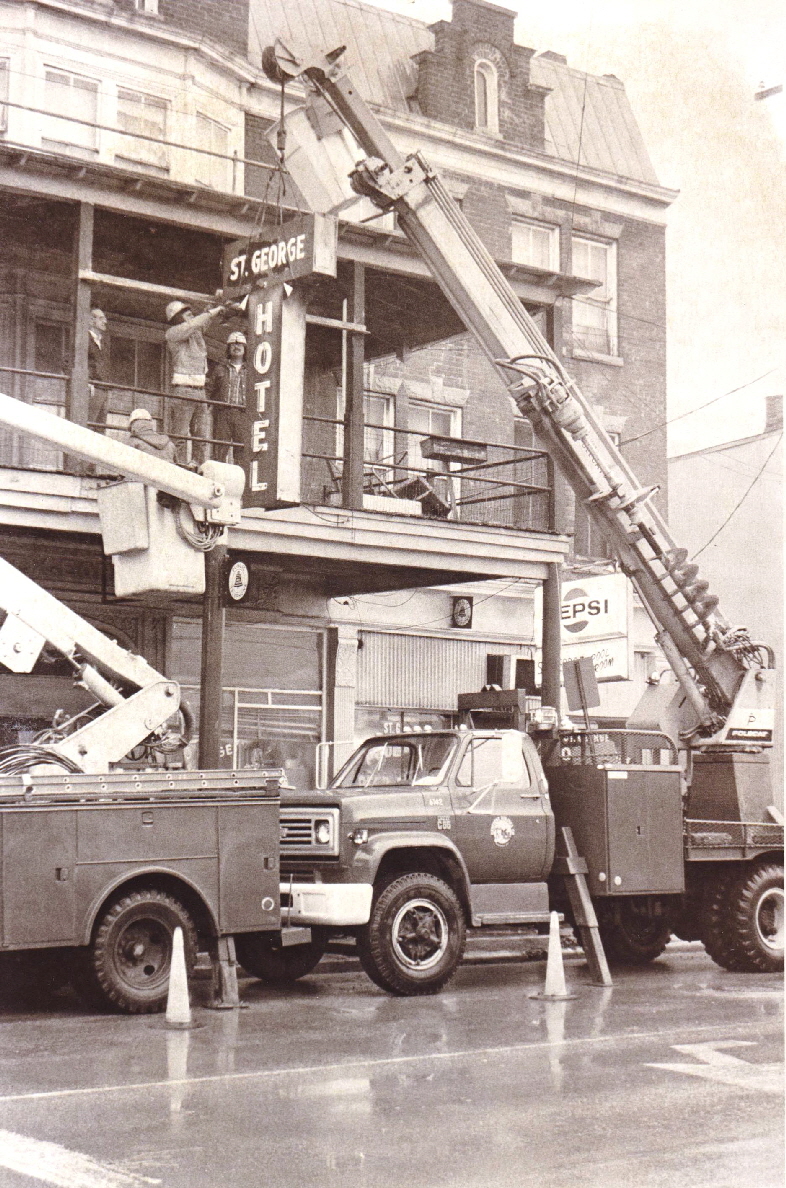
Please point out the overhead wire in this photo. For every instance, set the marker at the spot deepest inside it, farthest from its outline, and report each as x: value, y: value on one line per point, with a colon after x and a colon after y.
x: 740, y: 501
x: 699, y: 408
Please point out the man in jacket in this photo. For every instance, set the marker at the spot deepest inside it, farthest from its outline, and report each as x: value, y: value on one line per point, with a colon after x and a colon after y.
x: 227, y: 389
x: 97, y: 370
x: 189, y: 416
x: 142, y: 434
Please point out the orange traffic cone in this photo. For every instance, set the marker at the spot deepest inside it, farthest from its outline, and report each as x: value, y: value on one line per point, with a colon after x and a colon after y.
x: 178, y: 1008
x: 555, y: 988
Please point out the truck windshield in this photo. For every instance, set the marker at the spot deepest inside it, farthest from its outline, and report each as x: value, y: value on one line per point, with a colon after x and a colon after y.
x: 421, y: 759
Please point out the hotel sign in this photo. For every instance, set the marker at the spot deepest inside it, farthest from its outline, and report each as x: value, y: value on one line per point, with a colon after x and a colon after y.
x: 274, y: 398
x: 304, y: 244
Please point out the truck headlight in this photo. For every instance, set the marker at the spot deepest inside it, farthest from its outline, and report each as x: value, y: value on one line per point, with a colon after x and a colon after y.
x: 323, y: 834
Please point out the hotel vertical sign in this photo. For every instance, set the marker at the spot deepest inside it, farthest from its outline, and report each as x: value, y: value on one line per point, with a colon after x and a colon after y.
x: 274, y: 401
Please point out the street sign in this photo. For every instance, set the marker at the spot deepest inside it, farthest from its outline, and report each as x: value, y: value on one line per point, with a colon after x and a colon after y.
x: 274, y: 403
x: 306, y: 243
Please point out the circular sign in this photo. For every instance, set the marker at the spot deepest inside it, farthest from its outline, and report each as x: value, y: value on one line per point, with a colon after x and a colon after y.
x: 462, y: 612
x: 238, y: 581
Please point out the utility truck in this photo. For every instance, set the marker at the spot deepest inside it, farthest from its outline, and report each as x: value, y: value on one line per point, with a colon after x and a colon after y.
x: 101, y: 864
x: 421, y: 836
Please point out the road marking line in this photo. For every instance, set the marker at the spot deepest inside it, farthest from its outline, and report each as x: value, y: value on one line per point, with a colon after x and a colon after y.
x: 346, y: 1066
x: 52, y: 1164
x: 717, y: 1065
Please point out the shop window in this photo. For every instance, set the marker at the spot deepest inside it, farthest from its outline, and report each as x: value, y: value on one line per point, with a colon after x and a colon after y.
x: 212, y: 170
x: 141, y: 115
x: 486, y: 98
x: 536, y: 244
x: 5, y: 71
x: 75, y: 99
x: 595, y: 313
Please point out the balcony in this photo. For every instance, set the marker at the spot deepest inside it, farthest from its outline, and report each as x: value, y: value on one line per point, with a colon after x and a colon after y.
x: 493, y: 503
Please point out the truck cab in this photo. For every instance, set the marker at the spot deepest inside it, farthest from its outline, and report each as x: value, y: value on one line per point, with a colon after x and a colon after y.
x: 453, y: 827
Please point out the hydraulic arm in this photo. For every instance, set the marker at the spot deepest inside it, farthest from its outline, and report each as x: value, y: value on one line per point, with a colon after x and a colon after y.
x: 136, y: 699
x: 723, y: 674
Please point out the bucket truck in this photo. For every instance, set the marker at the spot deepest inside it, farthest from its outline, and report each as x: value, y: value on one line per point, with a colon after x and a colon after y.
x: 433, y: 834
x: 104, y: 864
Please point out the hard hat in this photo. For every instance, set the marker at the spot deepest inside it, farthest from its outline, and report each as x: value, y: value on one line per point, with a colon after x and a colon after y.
x: 139, y: 414
x: 174, y: 308
x: 237, y: 336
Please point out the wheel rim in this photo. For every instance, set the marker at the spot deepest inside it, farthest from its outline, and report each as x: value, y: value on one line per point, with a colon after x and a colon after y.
x: 769, y: 919
x: 420, y: 934
x: 142, y: 954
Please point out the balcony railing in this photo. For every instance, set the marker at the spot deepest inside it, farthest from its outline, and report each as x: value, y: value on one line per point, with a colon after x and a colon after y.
x: 510, y: 486
x: 491, y: 484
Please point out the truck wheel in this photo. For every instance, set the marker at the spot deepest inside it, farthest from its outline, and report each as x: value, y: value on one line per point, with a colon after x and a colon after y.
x: 415, y: 937
x: 262, y: 955
x: 129, y: 960
x: 631, y: 934
x: 743, y: 928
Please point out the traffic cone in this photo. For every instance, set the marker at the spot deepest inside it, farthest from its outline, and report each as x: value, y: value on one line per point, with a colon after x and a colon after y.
x: 555, y: 988
x: 178, y: 1008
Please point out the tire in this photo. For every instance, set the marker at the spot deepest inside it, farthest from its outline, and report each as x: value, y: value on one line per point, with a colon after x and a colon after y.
x: 743, y: 927
x: 415, y: 938
x: 129, y: 960
x: 631, y: 933
x: 262, y: 955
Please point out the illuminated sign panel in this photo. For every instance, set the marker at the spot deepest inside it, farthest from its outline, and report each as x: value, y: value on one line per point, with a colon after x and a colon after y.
x: 274, y: 400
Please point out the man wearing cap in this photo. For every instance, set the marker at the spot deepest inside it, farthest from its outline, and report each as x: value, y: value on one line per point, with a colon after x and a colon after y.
x: 188, y: 410
x: 227, y: 388
x: 144, y: 436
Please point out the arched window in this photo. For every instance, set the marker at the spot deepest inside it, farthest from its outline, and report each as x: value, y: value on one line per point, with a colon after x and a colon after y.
x: 486, y: 98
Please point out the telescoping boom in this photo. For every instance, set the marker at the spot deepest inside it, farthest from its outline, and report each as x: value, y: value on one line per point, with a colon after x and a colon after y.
x: 725, y: 678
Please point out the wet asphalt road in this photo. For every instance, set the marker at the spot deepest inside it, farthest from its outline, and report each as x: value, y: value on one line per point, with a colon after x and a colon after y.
x: 671, y: 1078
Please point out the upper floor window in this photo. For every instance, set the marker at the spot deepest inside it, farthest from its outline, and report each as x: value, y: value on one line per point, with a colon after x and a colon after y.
x: 434, y: 420
x: 595, y: 313
x: 212, y: 168
x: 146, y: 6
x: 486, y: 97
x: 5, y: 70
x: 378, y: 436
x: 535, y: 243
x: 75, y: 99
x: 146, y: 116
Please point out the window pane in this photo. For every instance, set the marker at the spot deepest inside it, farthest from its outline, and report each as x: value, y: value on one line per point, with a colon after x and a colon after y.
x: 5, y: 66
x: 121, y: 361
x: 534, y: 244
x: 72, y: 96
x: 149, y: 365
x: 145, y: 115
x: 49, y: 347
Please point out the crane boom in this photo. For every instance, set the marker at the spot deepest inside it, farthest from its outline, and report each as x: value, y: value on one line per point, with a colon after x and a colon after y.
x: 721, y: 671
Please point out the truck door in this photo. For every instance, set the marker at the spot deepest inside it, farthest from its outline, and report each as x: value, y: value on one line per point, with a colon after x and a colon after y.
x: 39, y: 853
x: 502, y: 825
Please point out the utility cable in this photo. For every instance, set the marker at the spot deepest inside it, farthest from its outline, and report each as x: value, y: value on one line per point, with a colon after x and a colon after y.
x: 740, y: 501
x: 691, y: 411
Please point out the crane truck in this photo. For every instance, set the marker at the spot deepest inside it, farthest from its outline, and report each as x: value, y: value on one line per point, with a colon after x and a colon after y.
x: 423, y: 835
x: 102, y: 864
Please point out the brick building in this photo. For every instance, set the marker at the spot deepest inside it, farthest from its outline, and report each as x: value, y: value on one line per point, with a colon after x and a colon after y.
x: 132, y: 149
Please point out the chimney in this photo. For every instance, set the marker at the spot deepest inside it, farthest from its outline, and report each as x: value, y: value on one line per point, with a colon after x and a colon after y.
x: 774, y: 414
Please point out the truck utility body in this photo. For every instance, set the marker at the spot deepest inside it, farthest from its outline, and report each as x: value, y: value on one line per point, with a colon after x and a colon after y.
x: 108, y: 865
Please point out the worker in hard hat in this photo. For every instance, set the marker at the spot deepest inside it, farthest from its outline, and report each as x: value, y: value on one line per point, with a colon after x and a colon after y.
x: 189, y: 415
x: 142, y: 434
x: 227, y: 391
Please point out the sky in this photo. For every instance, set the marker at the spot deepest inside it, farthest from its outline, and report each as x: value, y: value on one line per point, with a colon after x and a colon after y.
x: 691, y: 69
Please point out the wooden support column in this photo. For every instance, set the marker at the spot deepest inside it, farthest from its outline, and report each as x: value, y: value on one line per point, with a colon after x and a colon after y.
x: 352, y: 480
x: 79, y: 393
x: 210, y: 685
x: 551, y: 643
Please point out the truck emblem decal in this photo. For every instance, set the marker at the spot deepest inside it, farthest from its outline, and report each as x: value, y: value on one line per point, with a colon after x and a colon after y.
x: 502, y: 830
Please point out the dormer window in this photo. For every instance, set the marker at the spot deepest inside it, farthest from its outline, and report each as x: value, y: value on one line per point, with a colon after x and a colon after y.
x: 486, y: 98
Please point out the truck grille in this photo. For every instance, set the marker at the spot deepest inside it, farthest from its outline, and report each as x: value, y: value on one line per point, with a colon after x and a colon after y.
x: 311, y: 832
